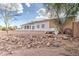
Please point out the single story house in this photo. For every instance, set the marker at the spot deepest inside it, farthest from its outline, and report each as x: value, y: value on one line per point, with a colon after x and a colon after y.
x: 44, y: 25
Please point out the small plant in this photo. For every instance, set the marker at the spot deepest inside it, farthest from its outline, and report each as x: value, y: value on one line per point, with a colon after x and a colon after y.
x: 3, y: 29
x: 12, y: 28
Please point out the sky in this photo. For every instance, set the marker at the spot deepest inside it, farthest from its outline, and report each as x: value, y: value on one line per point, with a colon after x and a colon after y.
x: 29, y: 12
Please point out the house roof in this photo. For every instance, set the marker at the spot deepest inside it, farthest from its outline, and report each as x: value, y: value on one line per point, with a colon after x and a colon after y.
x: 39, y: 20
x: 36, y: 21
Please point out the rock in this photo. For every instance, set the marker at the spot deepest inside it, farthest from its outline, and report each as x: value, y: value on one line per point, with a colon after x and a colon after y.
x: 60, y: 38
x: 65, y: 38
x: 48, y: 44
x: 28, y: 46
x: 10, y: 52
x: 38, y: 46
x: 57, y: 44
x: 1, y: 48
x: 50, y: 35
x: 5, y: 38
x: 39, y: 42
x: 43, y: 37
x: 34, y: 36
x: 57, y: 39
x: 33, y: 40
x: 20, y: 45
x: 50, y: 40
x: 49, y: 32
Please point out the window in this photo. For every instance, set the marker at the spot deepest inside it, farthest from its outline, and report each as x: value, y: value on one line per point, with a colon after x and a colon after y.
x: 37, y: 26
x: 43, y: 25
x: 33, y: 27
x: 27, y: 27
x: 24, y: 27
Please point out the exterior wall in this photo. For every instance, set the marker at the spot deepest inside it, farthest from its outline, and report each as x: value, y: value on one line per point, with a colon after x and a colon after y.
x: 49, y: 25
x: 22, y: 27
x: 76, y: 29
x: 52, y: 24
x: 69, y: 24
x: 46, y: 26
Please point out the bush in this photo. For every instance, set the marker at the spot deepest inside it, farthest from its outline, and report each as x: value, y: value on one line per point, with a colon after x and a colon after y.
x: 68, y: 31
x: 3, y: 29
x: 10, y: 28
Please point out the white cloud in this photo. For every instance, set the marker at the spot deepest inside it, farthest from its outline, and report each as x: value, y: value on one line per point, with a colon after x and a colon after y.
x: 12, y: 7
x: 41, y: 17
x: 28, y: 4
x: 20, y: 8
x: 20, y: 11
x: 43, y: 13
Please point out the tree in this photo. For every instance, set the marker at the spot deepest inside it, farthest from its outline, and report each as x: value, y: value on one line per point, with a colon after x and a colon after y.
x: 9, y: 11
x: 0, y: 27
x: 67, y: 10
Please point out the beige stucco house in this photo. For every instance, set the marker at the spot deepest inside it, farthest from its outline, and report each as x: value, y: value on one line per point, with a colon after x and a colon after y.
x: 44, y: 25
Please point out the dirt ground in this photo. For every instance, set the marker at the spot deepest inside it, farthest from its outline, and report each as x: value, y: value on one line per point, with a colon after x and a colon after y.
x: 17, y: 44
x: 39, y: 52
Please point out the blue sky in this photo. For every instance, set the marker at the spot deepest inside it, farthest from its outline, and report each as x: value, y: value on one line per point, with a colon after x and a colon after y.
x: 29, y: 14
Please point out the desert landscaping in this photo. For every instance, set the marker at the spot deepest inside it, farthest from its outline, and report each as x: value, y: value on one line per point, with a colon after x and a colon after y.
x: 45, y: 29
x: 37, y: 43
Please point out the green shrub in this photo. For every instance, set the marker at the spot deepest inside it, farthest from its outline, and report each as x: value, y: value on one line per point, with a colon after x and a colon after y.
x: 3, y: 29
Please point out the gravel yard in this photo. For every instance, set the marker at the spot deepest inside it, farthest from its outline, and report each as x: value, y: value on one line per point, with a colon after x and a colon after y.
x: 37, y: 43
